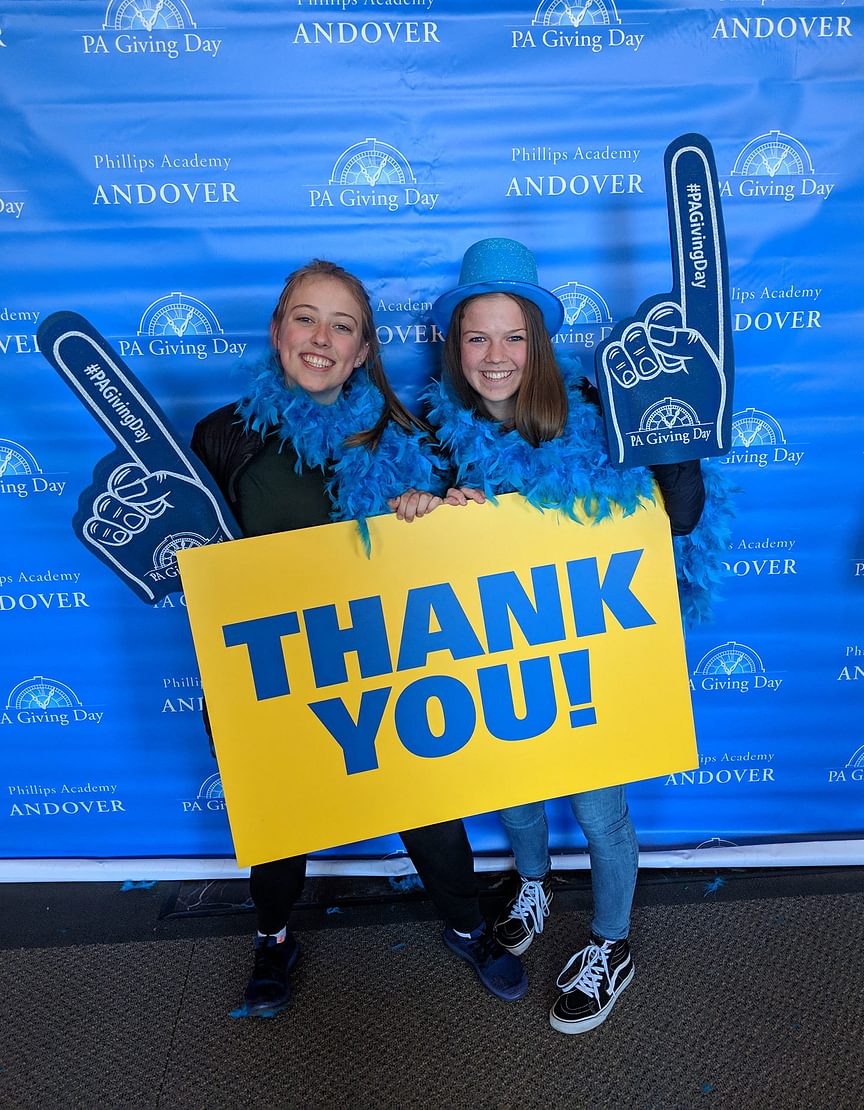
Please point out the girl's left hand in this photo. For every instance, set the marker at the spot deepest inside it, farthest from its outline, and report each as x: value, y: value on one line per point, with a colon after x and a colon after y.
x: 414, y: 503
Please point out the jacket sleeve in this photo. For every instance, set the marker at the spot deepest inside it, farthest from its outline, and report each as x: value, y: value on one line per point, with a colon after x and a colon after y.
x: 683, y: 492
x: 680, y: 484
x: 211, y: 443
x: 215, y: 441
x: 220, y: 442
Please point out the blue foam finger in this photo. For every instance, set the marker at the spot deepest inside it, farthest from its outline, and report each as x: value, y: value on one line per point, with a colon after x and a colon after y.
x: 685, y: 411
x: 110, y: 392
x: 150, y: 497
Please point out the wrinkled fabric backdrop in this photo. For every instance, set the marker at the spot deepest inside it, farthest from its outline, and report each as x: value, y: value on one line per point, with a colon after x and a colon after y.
x: 163, y: 167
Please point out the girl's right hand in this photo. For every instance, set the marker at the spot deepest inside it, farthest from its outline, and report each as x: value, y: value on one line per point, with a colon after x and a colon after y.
x: 461, y: 495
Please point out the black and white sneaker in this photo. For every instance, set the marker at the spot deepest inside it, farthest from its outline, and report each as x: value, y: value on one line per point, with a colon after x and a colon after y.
x: 525, y: 916
x: 590, y: 983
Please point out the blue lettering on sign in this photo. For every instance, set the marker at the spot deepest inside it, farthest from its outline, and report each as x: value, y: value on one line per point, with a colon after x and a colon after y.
x: 263, y: 638
x: 355, y: 738
x: 577, y: 678
x: 589, y: 595
x: 412, y: 716
x: 499, y: 711
x: 434, y: 620
x: 454, y: 633
x: 501, y: 594
x: 328, y: 643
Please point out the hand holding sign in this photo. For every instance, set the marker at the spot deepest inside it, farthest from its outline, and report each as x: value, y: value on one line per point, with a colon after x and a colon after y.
x: 149, y: 498
x: 666, y: 375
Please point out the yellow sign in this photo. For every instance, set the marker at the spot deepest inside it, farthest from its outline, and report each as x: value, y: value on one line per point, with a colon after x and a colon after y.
x: 484, y: 656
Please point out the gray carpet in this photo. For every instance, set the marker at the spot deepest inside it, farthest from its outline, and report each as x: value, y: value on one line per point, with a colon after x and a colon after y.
x: 739, y: 1004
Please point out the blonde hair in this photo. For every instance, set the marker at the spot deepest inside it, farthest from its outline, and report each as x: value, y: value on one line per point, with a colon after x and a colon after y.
x: 393, y: 408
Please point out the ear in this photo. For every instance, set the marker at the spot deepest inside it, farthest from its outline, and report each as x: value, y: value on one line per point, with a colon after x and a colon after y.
x: 274, y: 334
x: 361, y: 358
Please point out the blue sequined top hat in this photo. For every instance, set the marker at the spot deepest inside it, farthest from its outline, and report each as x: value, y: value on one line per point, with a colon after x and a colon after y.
x: 499, y: 266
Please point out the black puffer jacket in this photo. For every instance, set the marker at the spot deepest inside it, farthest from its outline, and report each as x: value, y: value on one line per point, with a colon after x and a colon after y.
x: 225, y: 448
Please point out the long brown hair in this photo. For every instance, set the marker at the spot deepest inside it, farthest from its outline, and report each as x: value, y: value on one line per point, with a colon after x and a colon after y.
x: 541, y: 403
x: 393, y: 408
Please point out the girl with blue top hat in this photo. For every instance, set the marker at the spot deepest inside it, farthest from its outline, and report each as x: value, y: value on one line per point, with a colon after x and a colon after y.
x: 515, y: 419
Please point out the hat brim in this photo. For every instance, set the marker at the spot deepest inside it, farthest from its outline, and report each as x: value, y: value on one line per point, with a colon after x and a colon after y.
x: 550, y: 307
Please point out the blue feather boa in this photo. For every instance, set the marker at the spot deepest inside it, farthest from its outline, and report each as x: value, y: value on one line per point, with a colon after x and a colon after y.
x: 359, y: 481
x: 574, y: 470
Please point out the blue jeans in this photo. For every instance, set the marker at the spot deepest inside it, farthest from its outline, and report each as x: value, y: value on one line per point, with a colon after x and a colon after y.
x: 612, y: 849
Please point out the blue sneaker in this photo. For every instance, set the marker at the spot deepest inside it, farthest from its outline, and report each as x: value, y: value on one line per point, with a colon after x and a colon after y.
x: 268, y: 991
x: 498, y: 971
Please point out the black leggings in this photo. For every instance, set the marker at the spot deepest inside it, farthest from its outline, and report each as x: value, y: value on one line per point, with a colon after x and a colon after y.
x: 441, y: 853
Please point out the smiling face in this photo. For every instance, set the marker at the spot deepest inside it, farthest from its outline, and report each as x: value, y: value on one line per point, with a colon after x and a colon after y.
x: 319, y: 337
x: 494, y: 351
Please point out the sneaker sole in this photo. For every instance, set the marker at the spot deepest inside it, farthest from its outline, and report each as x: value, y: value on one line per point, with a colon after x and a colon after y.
x: 589, y: 1023
x: 506, y: 994
x: 262, y: 1012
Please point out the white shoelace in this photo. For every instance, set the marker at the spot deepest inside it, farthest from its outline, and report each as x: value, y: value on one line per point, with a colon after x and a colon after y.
x: 594, y: 965
x: 531, y: 905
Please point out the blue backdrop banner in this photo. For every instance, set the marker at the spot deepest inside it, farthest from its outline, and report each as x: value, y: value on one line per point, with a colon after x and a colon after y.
x: 164, y: 166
